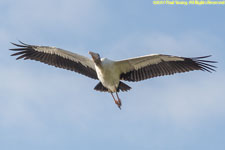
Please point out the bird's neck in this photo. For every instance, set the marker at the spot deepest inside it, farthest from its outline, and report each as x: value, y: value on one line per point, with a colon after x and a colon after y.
x: 98, y: 63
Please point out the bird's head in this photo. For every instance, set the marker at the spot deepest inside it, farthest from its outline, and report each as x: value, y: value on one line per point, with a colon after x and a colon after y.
x: 96, y: 57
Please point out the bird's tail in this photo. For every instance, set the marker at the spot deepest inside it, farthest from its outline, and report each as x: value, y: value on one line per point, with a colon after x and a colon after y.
x: 122, y: 87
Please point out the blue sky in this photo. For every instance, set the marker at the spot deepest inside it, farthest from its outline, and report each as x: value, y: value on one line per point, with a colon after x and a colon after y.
x: 42, y: 107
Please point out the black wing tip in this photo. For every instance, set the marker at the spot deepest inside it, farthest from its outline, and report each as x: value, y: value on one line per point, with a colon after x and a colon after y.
x: 203, y: 57
x: 205, y: 65
x: 20, y: 50
x: 21, y: 44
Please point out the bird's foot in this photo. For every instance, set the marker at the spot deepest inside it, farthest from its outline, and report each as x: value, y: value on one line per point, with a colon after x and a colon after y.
x: 118, y: 103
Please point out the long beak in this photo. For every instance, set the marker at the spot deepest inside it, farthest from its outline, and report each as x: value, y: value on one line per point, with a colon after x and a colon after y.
x: 91, y: 53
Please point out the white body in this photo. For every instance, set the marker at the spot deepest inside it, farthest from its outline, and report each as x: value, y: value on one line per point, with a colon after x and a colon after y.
x: 108, y: 74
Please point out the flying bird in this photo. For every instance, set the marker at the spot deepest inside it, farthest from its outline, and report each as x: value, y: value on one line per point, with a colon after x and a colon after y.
x: 110, y: 72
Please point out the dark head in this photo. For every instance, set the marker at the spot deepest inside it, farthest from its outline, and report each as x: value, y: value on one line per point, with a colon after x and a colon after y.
x: 96, y: 58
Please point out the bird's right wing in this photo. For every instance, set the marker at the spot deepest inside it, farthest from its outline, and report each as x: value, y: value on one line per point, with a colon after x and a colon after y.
x: 149, y: 66
x: 56, y: 57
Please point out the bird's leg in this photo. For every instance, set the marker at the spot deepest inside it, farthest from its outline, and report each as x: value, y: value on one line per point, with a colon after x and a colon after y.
x: 118, y: 102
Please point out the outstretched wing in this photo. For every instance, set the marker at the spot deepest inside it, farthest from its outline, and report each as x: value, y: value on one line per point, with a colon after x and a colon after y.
x: 145, y: 67
x: 56, y: 57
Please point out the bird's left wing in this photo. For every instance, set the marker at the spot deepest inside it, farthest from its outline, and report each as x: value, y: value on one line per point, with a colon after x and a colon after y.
x: 141, y: 68
x: 56, y: 57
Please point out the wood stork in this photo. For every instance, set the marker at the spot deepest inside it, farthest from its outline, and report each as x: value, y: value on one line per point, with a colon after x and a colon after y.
x: 109, y: 72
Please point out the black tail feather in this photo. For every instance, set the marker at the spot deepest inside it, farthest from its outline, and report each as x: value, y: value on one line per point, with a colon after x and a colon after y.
x: 101, y: 88
x: 122, y: 87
